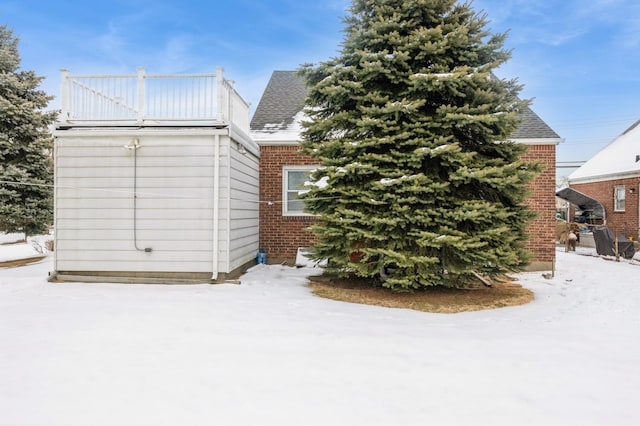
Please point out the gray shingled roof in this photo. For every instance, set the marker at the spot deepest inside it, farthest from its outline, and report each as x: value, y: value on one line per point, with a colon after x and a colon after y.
x: 285, y: 95
x: 532, y: 127
x: 282, y: 99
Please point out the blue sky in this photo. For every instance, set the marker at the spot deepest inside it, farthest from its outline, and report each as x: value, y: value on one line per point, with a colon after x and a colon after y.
x: 577, y: 59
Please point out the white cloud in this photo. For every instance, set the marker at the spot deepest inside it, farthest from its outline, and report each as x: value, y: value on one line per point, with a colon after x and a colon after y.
x: 553, y: 23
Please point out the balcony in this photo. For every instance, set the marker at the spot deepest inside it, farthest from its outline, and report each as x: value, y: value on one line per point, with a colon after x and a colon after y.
x: 151, y: 100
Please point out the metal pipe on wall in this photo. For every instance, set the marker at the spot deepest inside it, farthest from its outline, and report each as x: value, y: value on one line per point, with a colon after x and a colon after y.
x: 134, y: 145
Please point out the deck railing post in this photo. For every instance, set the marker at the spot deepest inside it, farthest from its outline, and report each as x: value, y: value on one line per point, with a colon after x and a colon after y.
x: 141, y: 78
x: 64, y: 95
x: 232, y: 99
x: 220, y: 93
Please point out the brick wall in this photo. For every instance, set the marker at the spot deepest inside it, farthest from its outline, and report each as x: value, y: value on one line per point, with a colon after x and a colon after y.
x: 542, y: 200
x: 281, y: 235
x: 625, y: 222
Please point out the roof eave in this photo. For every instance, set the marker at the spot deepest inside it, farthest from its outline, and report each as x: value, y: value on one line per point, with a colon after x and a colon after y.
x: 538, y: 141
x: 275, y: 138
x: 604, y: 177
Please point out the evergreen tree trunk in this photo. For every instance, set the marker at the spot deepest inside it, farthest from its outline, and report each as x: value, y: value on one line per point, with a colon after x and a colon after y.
x: 26, y: 173
x: 420, y: 184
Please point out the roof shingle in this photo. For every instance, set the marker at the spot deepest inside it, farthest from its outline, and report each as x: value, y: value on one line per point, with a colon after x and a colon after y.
x: 285, y: 95
x: 282, y: 99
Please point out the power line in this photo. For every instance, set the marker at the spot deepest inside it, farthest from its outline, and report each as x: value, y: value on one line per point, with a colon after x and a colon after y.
x: 151, y: 194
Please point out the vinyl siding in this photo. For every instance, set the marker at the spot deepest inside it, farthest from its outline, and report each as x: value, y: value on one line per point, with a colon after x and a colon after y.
x: 242, y: 214
x: 95, y: 203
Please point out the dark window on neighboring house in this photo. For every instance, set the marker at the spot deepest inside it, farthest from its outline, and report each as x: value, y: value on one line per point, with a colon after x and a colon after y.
x: 619, y: 196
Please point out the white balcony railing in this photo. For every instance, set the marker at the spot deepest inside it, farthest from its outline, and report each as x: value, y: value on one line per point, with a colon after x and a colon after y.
x: 146, y: 99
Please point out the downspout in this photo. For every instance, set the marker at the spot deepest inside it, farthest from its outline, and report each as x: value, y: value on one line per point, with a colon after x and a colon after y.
x: 55, y: 205
x: 216, y: 175
x: 228, y: 166
x: 216, y: 206
x: 64, y: 115
x: 228, y: 201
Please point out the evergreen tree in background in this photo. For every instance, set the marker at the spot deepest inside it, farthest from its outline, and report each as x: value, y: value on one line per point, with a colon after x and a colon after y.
x: 26, y: 197
x: 411, y: 129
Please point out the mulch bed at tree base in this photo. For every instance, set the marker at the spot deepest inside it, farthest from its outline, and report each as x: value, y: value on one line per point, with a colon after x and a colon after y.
x: 503, y: 292
x: 20, y: 262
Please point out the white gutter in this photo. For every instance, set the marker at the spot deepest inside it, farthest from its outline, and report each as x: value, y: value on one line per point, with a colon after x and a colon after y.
x: 216, y: 207
x: 139, y: 131
x: 538, y: 141
x: 604, y: 177
x: 282, y: 137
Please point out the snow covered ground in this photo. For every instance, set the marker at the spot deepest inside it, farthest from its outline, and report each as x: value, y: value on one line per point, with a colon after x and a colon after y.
x: 268, y: 352
x: 12, y: 247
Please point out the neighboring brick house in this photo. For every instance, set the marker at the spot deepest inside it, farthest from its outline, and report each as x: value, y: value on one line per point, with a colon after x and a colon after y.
x: 283, y: 224
x: 612, y: 176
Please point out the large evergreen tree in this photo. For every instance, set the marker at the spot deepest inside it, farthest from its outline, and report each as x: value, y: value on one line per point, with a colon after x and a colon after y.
x: 411, y: 128
x: 26, y: 197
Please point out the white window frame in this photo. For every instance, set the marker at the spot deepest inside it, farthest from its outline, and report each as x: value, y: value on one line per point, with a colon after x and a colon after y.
x: 619, y: 203
x: 285, y: 189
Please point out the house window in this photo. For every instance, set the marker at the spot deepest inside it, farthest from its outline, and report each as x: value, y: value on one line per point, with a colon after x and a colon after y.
x: 619, y: 198
x: 293, y: 179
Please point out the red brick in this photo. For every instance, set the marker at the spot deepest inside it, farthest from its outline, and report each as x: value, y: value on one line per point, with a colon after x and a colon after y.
x: 626, y: 222
x: 281, y: 235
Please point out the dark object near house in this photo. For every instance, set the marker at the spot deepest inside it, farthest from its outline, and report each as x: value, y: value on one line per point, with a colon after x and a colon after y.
x: 591, y: 210
x: 261, y: 257
x: 604, y: 238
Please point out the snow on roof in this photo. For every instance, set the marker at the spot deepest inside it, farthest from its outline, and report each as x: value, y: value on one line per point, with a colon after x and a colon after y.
x: 282, y: 99
x: 279, y: 113
x: 618, y: 159
x: 280, y: 132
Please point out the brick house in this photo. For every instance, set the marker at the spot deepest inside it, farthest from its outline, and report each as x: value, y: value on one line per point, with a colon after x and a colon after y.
x: 612, y: 177
x: 275, y: 126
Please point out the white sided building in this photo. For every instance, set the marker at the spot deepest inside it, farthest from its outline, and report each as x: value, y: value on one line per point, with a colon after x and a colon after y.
x: 156, y: 179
